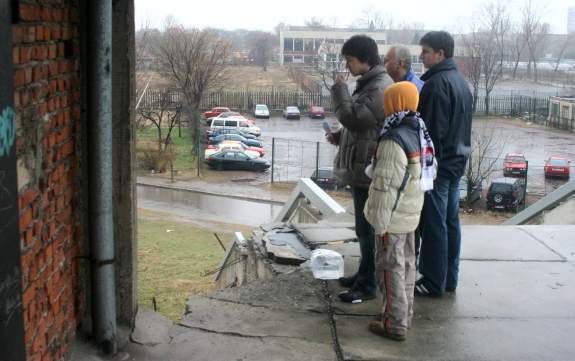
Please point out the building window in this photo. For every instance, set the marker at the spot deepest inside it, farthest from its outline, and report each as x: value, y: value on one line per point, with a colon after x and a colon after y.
x: 298, y: 45
x: 308, y: 45
x: 317, y: 43
x: 288, y: 44
x: 381, y: 42
x: 288, y: 58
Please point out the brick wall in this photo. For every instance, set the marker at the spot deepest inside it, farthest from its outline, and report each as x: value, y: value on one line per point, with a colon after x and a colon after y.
x: 46, y: 59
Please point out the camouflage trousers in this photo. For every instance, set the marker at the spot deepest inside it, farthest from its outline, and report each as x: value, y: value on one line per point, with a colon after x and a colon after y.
x: 395, y: 270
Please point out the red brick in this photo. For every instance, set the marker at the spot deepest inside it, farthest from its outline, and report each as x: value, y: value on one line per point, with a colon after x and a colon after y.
x: 18, y: 34
x: 28, y: 295
x: 26, y: 12
x: 25, y: 54
x: 46, y: 14
x: 30, y: 34
x: 19, y: 77
x: 27, y: 197
x: 15, y: 56
x: 25, y: 218
x: 52, y: 51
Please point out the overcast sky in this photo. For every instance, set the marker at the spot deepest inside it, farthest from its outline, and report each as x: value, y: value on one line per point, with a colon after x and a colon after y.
x: 264, y: 15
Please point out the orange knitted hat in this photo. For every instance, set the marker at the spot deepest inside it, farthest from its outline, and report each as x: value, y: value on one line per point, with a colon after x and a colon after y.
x: 402, y: 96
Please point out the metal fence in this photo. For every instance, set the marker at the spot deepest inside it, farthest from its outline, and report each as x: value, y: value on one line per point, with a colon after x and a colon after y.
x: 293, y: 159
x: 243, y: 100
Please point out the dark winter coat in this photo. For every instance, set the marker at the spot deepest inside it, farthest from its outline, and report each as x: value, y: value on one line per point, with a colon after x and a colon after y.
x: 445, y: 104
x: 361, y: 117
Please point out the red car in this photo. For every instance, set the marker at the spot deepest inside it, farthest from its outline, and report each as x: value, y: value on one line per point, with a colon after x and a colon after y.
x: 215, y: 112
x: 316, y: 112
x: 557, y: 167
x: 514, y: 165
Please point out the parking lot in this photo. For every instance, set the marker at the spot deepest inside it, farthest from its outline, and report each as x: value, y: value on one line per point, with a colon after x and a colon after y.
x: 296, y: 146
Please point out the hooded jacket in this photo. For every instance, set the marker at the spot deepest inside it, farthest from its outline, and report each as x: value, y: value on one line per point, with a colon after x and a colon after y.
x: 395, y: 196
x: 361, y: 117
x: 445, y: 104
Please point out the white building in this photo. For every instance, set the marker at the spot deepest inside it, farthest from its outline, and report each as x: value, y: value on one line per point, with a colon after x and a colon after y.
x: 300, y: 44
x: 571, y: 20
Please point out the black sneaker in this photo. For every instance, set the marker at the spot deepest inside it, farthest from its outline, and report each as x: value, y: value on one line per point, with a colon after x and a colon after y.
x: 421, y: 290
x: 352, y: 296
x: 347, y: 282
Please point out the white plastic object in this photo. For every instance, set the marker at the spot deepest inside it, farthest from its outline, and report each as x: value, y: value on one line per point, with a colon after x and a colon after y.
x: 326, y: 264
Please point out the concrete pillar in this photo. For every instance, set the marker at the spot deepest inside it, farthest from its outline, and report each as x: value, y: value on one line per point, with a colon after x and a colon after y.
x: 124, y: 160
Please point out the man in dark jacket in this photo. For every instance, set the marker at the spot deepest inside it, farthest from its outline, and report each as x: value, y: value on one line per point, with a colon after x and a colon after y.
x: 361, y: 117
x: 445, y: 106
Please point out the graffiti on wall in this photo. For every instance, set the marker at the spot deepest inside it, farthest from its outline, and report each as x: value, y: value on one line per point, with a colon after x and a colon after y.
x: 7, y: 131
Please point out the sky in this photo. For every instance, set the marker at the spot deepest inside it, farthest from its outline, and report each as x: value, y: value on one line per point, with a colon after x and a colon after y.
x: 451, y: 15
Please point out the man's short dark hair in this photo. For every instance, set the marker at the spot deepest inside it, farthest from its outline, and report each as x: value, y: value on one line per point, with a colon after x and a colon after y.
x: 363, y: 48
x: 439, y: 40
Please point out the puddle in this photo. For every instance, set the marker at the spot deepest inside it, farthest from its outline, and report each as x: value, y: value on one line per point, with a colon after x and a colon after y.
x: 206, y: 206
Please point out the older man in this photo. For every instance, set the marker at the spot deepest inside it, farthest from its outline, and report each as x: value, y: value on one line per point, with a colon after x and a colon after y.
x: 397, y: 62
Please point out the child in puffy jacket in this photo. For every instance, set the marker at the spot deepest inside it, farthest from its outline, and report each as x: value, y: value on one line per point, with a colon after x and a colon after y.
x: 394, y: 205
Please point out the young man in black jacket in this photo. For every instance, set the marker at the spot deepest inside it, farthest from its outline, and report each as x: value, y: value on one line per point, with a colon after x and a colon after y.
x: 445, y: 106
x: 361, y: 117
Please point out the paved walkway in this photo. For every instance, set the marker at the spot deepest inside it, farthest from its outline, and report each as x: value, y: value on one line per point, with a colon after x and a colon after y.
x: 515, y: 301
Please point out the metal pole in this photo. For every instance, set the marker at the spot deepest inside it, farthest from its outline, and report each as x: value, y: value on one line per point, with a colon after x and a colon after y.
x: 317, y: 159
x: 100, y: 163
x: 525, y: 187
x: 273, y: 156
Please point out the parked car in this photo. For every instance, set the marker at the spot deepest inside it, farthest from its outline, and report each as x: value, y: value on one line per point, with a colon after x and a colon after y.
x: 233, y: 159
x: 475, y: 193
x: 223, y: 116
x: 291, y: 113
x: 241, y: 124
x: 325, y: 178
x: 514, y: 164
x: 253, y: 152
x: 557, y: 167
x: 215, y: 112
x: 215, y: 132
x: 261, y: 111
x: 316, y: 112
x: 223, y: 137
x: 506, y: 193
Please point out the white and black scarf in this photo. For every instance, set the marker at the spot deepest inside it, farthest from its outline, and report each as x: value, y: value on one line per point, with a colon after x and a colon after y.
x: 428, y: 164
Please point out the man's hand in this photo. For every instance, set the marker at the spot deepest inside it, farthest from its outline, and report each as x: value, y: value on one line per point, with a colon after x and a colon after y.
x: 340, y: 79
x: 330, y: 138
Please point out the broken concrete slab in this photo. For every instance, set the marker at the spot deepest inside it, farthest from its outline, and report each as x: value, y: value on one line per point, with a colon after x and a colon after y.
x: 294, y: 291
x: 151, y: 328
x: 200, y: 345
x: 244, y: 320
x: 317, y: 236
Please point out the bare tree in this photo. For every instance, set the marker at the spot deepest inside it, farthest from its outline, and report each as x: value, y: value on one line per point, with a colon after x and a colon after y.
x: 164, y: 114
x: 316, y: 23
x: 328, y: 65
x: 485, y: 47
x: 486, y: 148
x: 472, y: 61
x: 373, y: 19
x: 261, y: 44
x: 516, y: 44
x: 535, y: 33
x: 196, y: 61
x: 568, y: 43
x: 496, y: 24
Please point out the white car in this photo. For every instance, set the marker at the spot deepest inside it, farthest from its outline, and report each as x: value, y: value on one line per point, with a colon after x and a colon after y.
x: 291, y: 113
x: 231, y: 146
x: 262, y: 111
x: 239, y: 122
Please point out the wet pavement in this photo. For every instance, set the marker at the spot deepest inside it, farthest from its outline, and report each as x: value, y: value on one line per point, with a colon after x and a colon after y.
x: 514, y: 302
x: 298, y: 141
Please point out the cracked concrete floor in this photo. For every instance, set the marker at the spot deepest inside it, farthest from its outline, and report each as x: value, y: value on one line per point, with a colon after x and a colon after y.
x: 515, y: 301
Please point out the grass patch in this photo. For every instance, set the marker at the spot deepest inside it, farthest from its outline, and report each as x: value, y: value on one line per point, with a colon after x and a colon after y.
x: 147, y: 137
x: 171, y: 264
